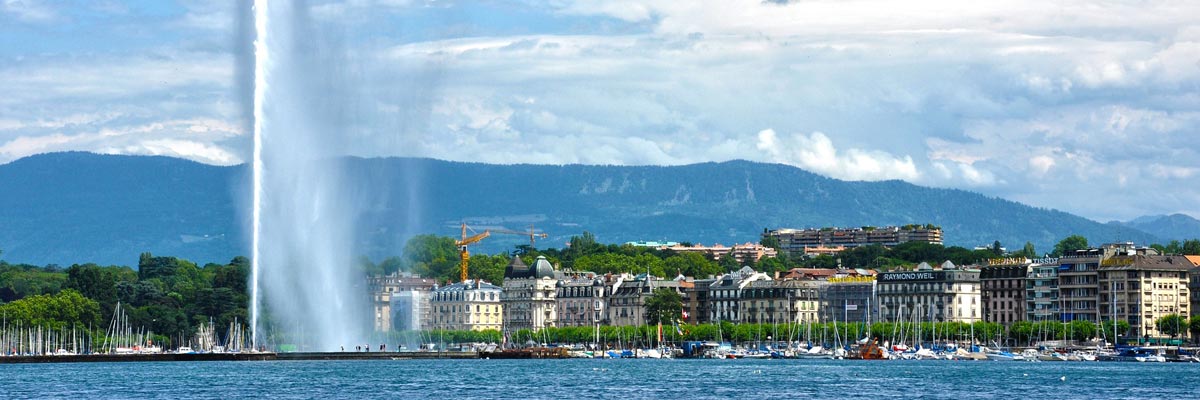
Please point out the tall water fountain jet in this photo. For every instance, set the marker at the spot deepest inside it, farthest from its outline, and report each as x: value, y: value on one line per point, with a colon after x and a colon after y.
x: 301, y: 276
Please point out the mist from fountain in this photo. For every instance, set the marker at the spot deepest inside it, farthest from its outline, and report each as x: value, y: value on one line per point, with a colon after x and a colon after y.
x: 301, y: 281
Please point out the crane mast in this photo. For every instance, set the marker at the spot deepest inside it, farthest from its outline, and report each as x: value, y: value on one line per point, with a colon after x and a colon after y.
x: 465, y: 255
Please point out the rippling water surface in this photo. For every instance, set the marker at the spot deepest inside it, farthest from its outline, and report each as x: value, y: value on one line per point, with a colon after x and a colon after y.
x: 626, y: 379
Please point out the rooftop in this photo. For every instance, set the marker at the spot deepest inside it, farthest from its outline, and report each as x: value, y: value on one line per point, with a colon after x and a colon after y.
x: 1145, y: 262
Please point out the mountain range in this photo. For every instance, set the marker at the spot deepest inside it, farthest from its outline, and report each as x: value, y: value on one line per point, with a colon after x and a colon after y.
x: 1169, y: 227
x: 65, y: 208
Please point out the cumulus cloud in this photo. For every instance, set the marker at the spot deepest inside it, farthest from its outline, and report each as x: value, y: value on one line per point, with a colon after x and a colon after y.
x: 816, y: 152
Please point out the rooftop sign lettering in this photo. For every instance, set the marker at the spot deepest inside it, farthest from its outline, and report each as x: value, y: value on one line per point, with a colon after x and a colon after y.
x: 909, y: 276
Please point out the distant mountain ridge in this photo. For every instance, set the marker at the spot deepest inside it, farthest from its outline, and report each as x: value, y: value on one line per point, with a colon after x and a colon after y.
x: 80, y: 207
x: 1168, y: 227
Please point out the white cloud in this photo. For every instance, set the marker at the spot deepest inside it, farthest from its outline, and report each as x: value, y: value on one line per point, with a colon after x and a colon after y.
x: 1041, y: 164
x: 28, y: 10
x: 817, y: 153
x: 10, y: 124
x: 189, y: 149
x: 976, y: 177
x: 30, y: 145
x: 632, y: 11
x: 195, y: 139
x: 116, y: 77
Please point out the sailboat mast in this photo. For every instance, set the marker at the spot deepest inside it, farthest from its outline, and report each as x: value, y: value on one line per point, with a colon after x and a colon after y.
x: 1113, y: 289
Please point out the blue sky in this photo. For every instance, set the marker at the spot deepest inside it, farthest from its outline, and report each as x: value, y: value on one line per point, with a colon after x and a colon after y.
x: 1091, y: 107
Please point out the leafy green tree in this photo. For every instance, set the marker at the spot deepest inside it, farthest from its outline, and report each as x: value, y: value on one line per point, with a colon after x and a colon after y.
x: 234, y: 275
x: 161, y: 319
x: 862, y: 256
x: 997, y: 249
x: 916, y: 252
x: 692, y: 264
x: 1171, y: 325
x: 23, y: 280
x: 1122, y: 329
x: 1028, y: 251
x: 94, y: 282
x: 821, y: 261
x: 582, y: 245
x: 1070, y: 244
x: 1022, y: 331
x: 1194, y: 328
x: 150, y: 267
x: 664, y: 306
x: 488, y: 268
x: 771, y: 241
x: 391, y: 265
x: 1172, y: 247
x: 368, y: 267
x: 432, y: 256
x: 59, y: 311
x: 886, y: 263
x: 728, y: 264
x: 1081, y: 330
x: 772, y: 264
x: 604, y: 263
x: 963, y: 256
x: 1191, y: 247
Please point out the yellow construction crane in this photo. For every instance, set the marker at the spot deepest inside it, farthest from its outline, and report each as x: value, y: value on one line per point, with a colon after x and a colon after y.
x: 462, y: 248
x: 531, y: 233
x: 464, y: 240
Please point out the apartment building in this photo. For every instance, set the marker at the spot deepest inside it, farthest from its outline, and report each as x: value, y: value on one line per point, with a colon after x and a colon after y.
x: 725, y: 292
x: 400, y: 301
x: 928, y: 294
x: 581, y: 300
x: 1078, y: 280
x: 849, y: 299
x: 529, y: 295
x: 472, y: 305
x: 1041, y: 291
x: 1139, y: 286
x: 1002, y: 289
x: 795, y: 242
x: 627, y: 304
x: 771, y: 301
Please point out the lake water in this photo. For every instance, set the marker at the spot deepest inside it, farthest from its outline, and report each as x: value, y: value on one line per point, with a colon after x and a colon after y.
x: 625, y: 379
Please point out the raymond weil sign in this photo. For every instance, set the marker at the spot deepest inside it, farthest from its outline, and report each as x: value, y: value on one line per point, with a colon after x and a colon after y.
x: 911, y: 276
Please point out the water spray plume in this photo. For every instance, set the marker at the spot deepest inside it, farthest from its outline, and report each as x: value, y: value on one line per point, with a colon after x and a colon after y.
x: 260, y: 87
x: 301, y: 283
